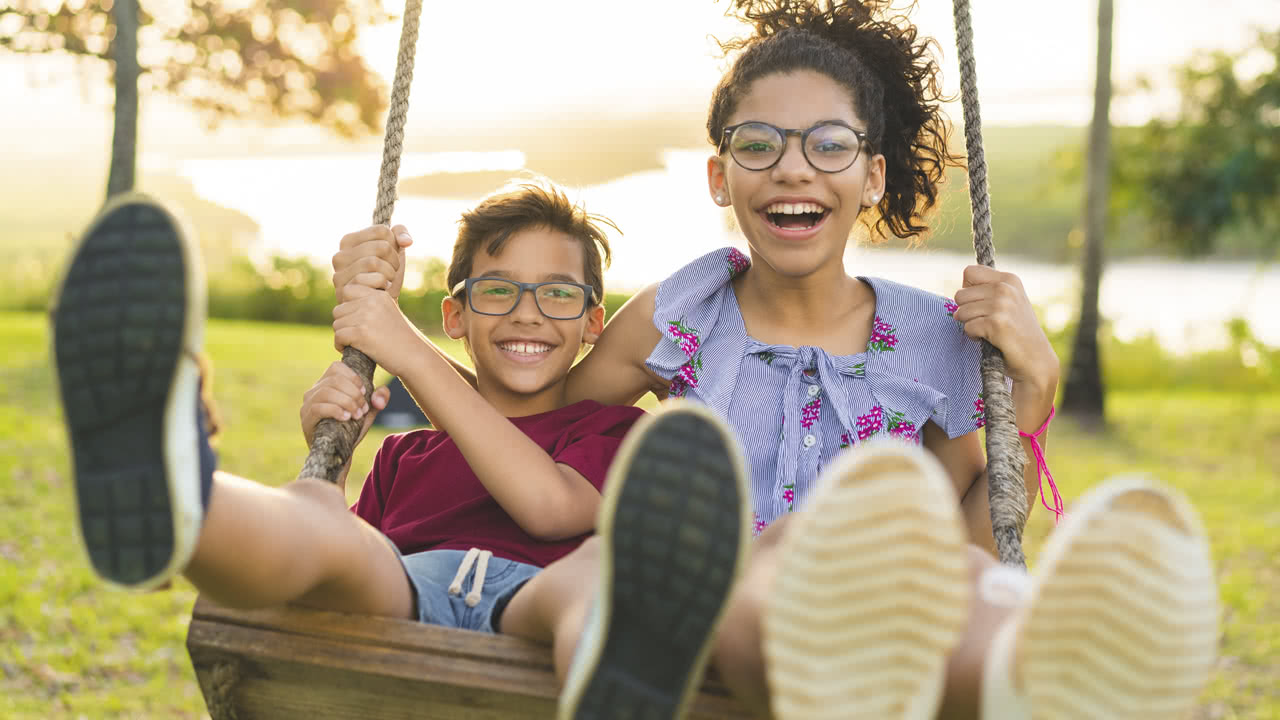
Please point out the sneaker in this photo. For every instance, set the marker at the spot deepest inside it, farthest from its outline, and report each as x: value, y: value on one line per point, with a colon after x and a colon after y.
x: 1121, y: 615
x: 128, y: 322
x: 674, y: 528
x: 872, y: 593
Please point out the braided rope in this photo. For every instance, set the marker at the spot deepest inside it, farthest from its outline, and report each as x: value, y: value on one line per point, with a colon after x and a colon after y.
x: 1005, y: 458
x: 222, y: 685
x: 334, y: 441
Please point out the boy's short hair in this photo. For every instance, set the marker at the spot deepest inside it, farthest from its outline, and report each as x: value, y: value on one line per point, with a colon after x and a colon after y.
x: 526, y: 206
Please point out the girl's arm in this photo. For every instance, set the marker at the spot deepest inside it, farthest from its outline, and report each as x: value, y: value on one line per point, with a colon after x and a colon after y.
x: 966, y: 463
x: 993, y: 306
x: 614, y: 373
x: 548, y: 500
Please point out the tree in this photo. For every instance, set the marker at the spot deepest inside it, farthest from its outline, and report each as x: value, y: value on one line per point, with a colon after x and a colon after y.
x: 263, y: 58
x: 1082, y: 395
x: 124, y: 128
x: 1213, y: 167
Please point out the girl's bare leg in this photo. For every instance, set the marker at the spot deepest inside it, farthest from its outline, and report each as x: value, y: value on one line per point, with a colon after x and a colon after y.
x: 739, y: 656
x: 298, y: 543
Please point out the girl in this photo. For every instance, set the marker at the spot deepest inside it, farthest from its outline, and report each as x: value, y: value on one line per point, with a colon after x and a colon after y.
x: 868, y: 604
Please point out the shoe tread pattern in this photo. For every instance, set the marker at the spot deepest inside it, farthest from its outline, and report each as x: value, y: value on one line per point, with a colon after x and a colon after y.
x: 675, y: 546
x: 118, y: 330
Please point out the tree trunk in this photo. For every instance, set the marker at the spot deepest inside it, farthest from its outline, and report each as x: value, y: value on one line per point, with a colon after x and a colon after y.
x: 1082, y: 396
x: 124, y: 139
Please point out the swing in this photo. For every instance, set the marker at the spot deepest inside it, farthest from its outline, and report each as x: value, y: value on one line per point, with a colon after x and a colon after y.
x: 283, y: 663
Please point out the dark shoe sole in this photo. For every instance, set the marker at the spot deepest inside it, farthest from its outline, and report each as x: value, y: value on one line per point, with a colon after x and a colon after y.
x: 674, y: 527
x: 126, y: 322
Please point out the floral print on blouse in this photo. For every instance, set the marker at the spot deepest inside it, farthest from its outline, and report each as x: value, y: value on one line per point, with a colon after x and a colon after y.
x: 795, y: 408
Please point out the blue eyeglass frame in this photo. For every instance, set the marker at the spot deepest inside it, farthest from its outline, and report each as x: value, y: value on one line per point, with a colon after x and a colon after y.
x: 589, y: 295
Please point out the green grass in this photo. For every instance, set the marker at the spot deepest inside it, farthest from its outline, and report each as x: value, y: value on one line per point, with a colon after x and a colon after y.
x: 71, y: 648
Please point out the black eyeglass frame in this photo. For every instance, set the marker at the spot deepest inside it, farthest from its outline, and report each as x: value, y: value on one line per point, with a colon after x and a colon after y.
x: 589, y: 299
x: 804, y: 137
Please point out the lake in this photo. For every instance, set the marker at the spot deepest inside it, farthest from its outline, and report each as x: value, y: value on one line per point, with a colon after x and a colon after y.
x: 305, y: 203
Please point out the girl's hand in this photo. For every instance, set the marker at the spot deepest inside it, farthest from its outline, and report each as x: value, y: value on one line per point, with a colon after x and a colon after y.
x: 371, y: 322
x: 339, y: 394
x: 994, y: 306
x: 373, y: 258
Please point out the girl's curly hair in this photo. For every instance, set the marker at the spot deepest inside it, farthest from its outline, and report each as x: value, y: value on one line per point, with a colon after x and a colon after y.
x: 890, y: 73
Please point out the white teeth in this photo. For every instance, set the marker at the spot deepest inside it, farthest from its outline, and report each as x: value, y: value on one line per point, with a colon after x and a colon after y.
x: 795, y: 208
x: 525, y: 348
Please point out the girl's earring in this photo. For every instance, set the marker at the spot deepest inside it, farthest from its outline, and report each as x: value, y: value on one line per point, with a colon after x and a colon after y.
x: 720, y: 200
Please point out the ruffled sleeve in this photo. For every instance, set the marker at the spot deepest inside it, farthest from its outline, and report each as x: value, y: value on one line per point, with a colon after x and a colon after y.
x: 704, y: 338
x: 920, y: 365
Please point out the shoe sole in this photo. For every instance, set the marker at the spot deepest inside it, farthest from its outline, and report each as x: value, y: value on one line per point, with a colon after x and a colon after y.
x: 1124, y: 622
x: 127, y: 321
x: 674, y: 529
x: 872, y: 592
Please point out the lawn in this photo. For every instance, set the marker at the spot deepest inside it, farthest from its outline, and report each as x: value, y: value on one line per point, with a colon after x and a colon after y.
x: 71, y: 648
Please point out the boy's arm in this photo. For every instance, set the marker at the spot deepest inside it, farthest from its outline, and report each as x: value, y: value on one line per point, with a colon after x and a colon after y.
x: 375, y: 258
x: 549, y: 501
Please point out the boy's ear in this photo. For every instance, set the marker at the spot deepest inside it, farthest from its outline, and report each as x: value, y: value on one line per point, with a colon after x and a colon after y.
x: 595, y: 325
x: 451, y: 312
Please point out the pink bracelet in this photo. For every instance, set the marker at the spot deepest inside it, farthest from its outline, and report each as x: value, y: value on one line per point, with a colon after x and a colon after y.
x: 1041, y: 465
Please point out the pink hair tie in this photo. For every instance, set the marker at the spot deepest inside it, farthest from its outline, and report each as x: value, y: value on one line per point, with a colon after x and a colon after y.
x: 1042, y: 466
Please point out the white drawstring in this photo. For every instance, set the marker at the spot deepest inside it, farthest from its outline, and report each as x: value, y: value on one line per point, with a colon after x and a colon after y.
x: 477, y: 585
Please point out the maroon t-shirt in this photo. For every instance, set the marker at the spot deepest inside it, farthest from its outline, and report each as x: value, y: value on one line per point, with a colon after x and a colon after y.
x: 422, y: 494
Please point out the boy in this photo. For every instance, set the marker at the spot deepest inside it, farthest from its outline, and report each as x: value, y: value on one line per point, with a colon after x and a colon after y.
x: 452, y: 526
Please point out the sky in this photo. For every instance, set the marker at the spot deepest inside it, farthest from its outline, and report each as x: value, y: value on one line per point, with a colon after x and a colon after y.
x: 487, y: 63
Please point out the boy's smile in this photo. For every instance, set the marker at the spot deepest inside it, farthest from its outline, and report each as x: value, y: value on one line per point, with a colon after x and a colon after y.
x: 522, y: 358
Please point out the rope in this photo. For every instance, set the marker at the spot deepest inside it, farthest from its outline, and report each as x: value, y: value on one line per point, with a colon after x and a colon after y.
x: 334, y: 441
x: 222, y: 685
x: 1005, y: 458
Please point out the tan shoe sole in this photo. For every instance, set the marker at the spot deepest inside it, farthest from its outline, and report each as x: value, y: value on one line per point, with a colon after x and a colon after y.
x: 1123, y: 617
x: 872, y: 592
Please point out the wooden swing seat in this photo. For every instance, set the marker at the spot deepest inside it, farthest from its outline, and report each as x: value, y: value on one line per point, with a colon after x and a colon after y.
x: 286, y: 663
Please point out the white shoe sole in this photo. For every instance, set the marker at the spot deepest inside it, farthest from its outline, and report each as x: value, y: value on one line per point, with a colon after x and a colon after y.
x: 674, y: 528
x: 872, y: 591
x: 127, y: 320
x: 1122, y: 621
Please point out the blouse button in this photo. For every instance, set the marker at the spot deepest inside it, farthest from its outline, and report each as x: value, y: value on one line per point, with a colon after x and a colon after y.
x: 813, y: 390
x: 809, y: 440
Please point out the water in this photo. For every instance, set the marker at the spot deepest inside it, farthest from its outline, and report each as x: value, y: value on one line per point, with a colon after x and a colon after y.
x: 304, y: 204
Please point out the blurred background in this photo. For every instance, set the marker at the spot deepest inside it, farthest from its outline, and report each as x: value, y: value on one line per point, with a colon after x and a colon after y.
x: 261, y: 121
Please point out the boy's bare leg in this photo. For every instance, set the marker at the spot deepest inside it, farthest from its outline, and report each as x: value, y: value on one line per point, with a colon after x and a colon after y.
x: 552, y: 607
x: 673, y: 533
x: 298, y: 543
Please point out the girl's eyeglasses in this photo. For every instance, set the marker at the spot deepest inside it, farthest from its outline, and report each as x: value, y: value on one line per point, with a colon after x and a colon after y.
x: 830, y: 147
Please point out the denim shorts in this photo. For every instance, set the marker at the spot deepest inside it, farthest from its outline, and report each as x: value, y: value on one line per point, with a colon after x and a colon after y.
x: 471, y: 597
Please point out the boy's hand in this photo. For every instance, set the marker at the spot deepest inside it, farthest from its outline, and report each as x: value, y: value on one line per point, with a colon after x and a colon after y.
x: 373, y: 258
x: 371, y: 322
x: 339, y: 394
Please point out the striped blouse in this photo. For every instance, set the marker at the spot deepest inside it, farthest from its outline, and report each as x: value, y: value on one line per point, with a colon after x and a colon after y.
x: 796, y: 408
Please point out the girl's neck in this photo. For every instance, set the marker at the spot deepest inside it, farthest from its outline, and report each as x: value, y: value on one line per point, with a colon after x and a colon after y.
x: 822, y: 309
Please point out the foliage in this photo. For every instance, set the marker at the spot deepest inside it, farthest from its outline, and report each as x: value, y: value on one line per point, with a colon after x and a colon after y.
x: 1210, y: 174
x: 288, y: 58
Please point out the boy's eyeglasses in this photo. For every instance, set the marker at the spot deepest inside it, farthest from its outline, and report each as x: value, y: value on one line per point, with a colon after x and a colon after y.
x: 830, y: 147
x: 557, y: 300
